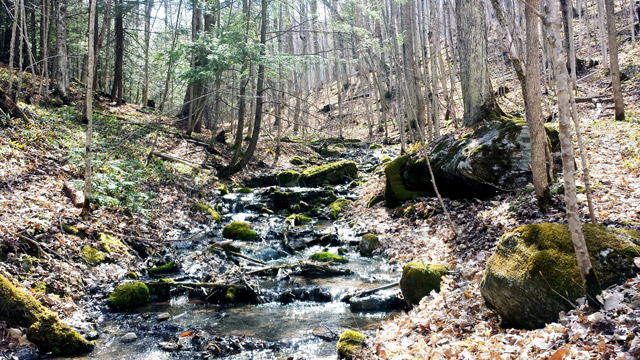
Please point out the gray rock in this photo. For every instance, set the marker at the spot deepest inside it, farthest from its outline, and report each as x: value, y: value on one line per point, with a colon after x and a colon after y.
x: 383, y: 301
x: 164, y: 316
x: 128, y: 338
x: 168, y: 346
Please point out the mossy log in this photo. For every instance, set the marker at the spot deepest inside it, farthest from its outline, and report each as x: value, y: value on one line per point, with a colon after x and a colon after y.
x: 209, y: 292
x: 9, y: 107
x: 44, y: 328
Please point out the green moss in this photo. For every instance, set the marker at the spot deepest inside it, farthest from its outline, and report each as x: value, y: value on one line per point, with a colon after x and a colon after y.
x: 295, y: 208
x: 385, y: 159
x: 72, y: 230
x: 375, y: 146
x: 244, y: 190
x: 265, y: 210
x: 330, y: 151
x: 230, y: 295
x: 170, y: 267
x: 92, y: 255
x: 337, y: 206
x: 374, y: 200
x: 40, y: 287
x: 132, y: 275
x: 328, y: 257
x: 223, y: 189
x: 419, y: 279
x: 333, y: 174
x: 206, y: 208
x: 368, y: 244
x: 45, y: 330
x: 288, y: 178
x: 129, y: 295
x: 349, y: 343
x: 111, y: 243
x: 298, y: 219
x: 296, y: 160
x: 239, y: 231
x: 395, y: 191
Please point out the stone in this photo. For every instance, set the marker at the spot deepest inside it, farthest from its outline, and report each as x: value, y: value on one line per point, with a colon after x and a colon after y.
x: 333, y: 174
x: 533, y: 274
x: 368, y: 244
x: 168, y: 346
x: 349, y: 343
x: 163, y: 316
x: 128, y: 338
x: 129, y: 295
x: 494, y: 157
x: 238, y: 230
x: 419, y: 280
x: 328, y: 257
x: 377, y: 302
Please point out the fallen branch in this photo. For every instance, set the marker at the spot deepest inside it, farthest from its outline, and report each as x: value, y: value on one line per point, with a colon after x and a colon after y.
x: 76, y: 196
x: 181, y: 160
x: 303, y: 269
x: 225, y: 246
x: 362, y: 293
x: 8, y: 106
x: 594, y: 99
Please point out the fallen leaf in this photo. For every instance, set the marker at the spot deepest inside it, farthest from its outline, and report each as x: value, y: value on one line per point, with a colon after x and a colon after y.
x: 559, y: 354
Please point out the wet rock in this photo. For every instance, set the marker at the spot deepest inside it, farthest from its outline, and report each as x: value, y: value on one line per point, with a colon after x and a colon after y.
x: 377, y: 302
x: 368, y: 244
x: 167, y: 268
x: 92, y: 335
x: 493, y: 158
x: 336, y: 207
x: 300, y: 294
x: 419, y: 279
x: 325, y: 334
x: 164, y: 316
x: 328, y: 257
x: 349, y: 343
x: 129, y: 295
x: 238, y: 230
x: 334, y: 173
x: 533, y: 274
x: 128, y: 338
x: 168, y: 346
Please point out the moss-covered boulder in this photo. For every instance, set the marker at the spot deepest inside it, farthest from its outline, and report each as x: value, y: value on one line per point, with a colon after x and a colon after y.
x: 419, y: 279
x: 328, y: 257
x: 333, y: 174
x: 533, y: 274
x: 298, y: 219
x: 349, y: 343
x: 127, y: 296
x: 368, y: 244
x: 111, y: 244
x: 244, y: 190
x: 278, y: 199
x: 223, y: 189
x: 288, y: 178
x: 74, y: 230
x: 336, y: 207
x: 92, y: 255
x: 168, y: 268
x: 296, y: 160
x: 207, y: 209
x: 494, y: 157
x: 44, y: 328
x: 238, y: 230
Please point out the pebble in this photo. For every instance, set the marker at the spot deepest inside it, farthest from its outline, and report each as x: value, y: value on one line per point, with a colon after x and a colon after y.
x: 164, y: 316
x: 128, y: 337
x: 168, y: 346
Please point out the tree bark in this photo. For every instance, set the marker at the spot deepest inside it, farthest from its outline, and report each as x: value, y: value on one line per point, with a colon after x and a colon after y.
x: 62, y: 71
x: 613, y: 60
x: 117, y: 92
x: 147, y: 39
x: 86, y: 208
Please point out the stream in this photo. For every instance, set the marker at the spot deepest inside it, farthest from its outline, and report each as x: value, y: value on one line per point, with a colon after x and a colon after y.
x: 301, y: 317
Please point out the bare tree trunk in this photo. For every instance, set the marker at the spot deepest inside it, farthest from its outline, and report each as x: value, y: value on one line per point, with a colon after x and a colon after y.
x: 62, y: 72
x: 86, y: 208
x: 147, y: 40
x: 568, y: 159
x: 533, y: 109
x: 170, y: 66
x: 613, y: 60
x: 603, y: 34
x: 12, y: 46
x: 117, y: 92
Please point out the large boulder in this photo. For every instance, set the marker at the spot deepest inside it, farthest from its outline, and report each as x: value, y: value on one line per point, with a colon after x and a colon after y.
x: 419, y: 280
x: 350, y: 342
x: 533, y: 274
x: 332, y: 174
x: 494, y: 157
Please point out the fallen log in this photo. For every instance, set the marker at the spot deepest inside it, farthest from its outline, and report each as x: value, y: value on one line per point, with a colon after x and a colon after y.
x: 76, y: 196
x: 367, y: 292
x: 209, y: 292
x: 8, y: 106
x: 305, y: 269
x: 182, y: 160
x: 594, y: 99
x: 227, y: 248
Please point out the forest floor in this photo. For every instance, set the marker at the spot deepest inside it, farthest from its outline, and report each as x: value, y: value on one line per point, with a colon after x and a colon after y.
x: 146, y: 203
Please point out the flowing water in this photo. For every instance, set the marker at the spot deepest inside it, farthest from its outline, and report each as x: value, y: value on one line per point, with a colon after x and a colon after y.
x: 271, y: 330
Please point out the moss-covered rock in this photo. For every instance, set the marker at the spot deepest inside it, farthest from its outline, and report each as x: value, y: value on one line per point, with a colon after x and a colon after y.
x: 296, y: 160
x: 374, y: 200
x: 288, y: 178
x: 368, y: 244
x: 533, y: 274
x: 168, y: 268
x: 111, y: 243
x: 298, y: 219
x: 349, y: 343
x: 206, y: 208
x: 265, y: 210
x: 132, y: 275
x: 223, y: 189
x: 419, y: 279
x: 334, y: 173
x: 73, y: 230
x: 375, y: 146
x: 92, y: 255
x: 328, y: 257
x: 386, y: 159
x: 44, y: 328
x: 494, y: 157
x: 331, y: 150
x: 336, y: 207
x: 239, y: 231
x: 127, y: 296
x: 244, y: 190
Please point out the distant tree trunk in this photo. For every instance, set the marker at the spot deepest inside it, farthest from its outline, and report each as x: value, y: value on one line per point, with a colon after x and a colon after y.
x: 107, y: 56
x: 479, y: 101
x: 533, y: 109
x: 117, y: 92
x: 167, y: 81
x: 86, y: 208
x: 613, y: 60
x: 62, y: 71
x: 12, y: 46
x: 603, y: 33
x: 147, y: 39
x: 568, y: 159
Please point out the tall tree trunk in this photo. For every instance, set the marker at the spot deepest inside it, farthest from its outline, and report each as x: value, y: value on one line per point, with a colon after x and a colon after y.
x: 568, y: 159
x: 86, y: 208
x: 147, y: 39
x: 613, y: 60
x: 603, y: 33
x: 167, y: 81
x: 12, y: 46
x: 117, y: 91
x: 533, y: 108
x: 62, y: 71
x: 479, y: 101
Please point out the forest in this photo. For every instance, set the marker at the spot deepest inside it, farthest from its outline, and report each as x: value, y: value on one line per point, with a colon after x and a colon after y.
x: 319, y: 179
